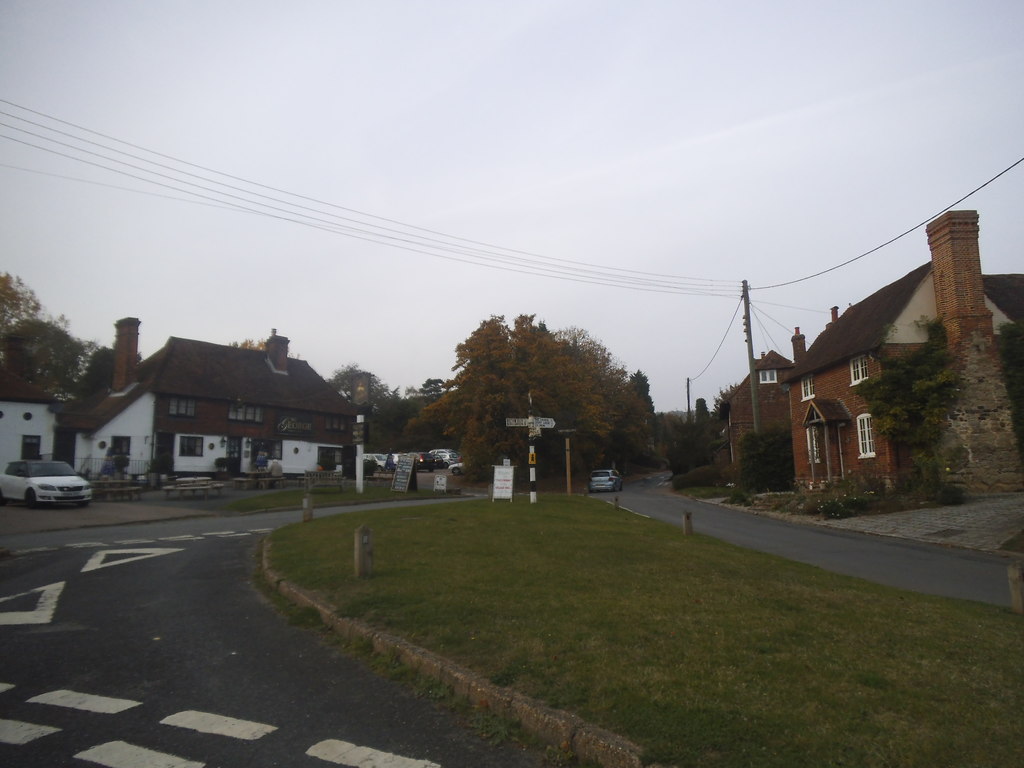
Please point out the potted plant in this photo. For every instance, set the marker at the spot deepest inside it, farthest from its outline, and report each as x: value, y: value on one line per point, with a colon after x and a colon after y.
x: 161, y: 466
x: 221, y: 463
x: 120, y: 464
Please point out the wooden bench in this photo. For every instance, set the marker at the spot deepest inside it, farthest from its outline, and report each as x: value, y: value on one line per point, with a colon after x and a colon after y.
x: 321, y: 478
x: 181, y: 488
x: 126, y: 492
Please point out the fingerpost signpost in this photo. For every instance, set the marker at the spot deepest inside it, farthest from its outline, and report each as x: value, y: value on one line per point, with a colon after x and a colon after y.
x: 535, y: 424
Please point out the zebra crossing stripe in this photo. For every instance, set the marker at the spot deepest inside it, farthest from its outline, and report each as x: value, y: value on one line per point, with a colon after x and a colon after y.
x: 17, y: 732
x: 84, y: 701
x: 204, y: 722
x: 120, y: 754
x: 345, y: 753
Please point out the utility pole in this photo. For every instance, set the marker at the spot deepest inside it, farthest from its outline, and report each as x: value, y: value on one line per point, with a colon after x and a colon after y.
x: 754, y: 403
x: 689, y: 417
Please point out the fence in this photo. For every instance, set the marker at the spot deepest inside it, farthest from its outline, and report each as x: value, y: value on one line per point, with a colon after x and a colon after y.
x: 94, y: 467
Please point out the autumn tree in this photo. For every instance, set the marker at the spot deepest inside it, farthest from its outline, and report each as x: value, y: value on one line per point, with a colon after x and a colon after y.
x: 503, y: 371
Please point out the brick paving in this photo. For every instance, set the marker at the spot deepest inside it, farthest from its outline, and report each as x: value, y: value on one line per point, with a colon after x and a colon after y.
x: 981, y: 523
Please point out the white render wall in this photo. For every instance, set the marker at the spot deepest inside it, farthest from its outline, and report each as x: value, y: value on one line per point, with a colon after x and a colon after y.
x: 14, y: 425
x: 135, y: 422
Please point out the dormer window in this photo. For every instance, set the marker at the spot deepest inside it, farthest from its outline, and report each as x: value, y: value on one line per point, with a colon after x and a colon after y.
x: 769, y: 376
x: 858, y: 369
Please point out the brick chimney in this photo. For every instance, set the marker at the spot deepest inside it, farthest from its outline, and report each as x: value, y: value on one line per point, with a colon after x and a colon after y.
x: 14, y: 356
x: 126, y: 352
x: 980, y: 421
x: 277, y: 352
x: 956, y: 270
x: 799, y: 345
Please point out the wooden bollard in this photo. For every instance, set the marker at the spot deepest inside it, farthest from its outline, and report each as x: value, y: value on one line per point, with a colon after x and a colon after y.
x: 687, y: 523
x: 364, y: 552
x: 307, y: 508
x: 1016, y: 575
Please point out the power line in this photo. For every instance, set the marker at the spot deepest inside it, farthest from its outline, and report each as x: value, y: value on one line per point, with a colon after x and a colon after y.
x: 475, y: 252
x: 894, y: 239
x: 725, y: 335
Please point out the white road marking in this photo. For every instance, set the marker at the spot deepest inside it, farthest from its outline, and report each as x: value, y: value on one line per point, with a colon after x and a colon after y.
x: 99, y: 560
x: 6, y: 687
x: 186, y: 537
x: 260, y: 530
x: 126, y: 542
x: 86, y: 544
x: 84, y: 701
x: 42, y: 613
x: 204, y: 722
x: 344, y: 753
x: 17, y: 732
x: 220, y: 533
x: 120, y: 754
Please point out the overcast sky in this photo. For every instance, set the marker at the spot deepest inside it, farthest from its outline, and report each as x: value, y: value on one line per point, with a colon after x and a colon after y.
x: 619, y: 167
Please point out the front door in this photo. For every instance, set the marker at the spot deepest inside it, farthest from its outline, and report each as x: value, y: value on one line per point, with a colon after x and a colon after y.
x: 234, y: 451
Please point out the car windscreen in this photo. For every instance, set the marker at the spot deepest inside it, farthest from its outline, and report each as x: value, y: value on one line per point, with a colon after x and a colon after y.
x: 600, y: 473
x: 49, y: 469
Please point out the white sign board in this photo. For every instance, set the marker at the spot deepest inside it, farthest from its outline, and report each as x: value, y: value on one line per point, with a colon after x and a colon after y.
x: 503, y: 481
x: 441, y: 483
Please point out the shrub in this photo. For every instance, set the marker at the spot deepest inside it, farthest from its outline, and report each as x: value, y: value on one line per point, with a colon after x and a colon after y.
x: 699, y: 477
x: 767, y: 463
x: 739, y: 497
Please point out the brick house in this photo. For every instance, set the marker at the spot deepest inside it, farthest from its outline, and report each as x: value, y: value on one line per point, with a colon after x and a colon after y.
x: 197, y: 402
x: 832, y: 429
x: 26, y: 411
x: 773, y: 403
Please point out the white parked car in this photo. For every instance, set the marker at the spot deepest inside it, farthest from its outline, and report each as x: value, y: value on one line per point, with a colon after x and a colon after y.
x: 43, y: 482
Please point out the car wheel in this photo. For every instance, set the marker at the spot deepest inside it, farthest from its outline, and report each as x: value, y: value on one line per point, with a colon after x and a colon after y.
x: 30, y: 498
x: 2, y: 500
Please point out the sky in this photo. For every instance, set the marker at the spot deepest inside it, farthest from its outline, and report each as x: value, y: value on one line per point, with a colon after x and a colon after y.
x: 375, y: 179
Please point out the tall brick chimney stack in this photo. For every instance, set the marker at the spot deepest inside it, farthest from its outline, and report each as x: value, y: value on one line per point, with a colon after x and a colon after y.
x: 980, y: 421
x: 14, y: 356
x: 126, y: 352
x: 956, y: 267
x: 277, y: 352
x: 799, y: 345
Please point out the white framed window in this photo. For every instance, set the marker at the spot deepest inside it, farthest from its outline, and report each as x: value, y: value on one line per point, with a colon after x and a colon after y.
x: 769, y: 376
x: 865, y: 436
x: 182, y: 406
x: 242, y: 412
x: 858, y: 369
x: 190, y: 445
x: 807, y: 387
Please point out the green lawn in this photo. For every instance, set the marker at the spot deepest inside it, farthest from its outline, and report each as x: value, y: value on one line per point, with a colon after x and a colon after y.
x: 703, y: 653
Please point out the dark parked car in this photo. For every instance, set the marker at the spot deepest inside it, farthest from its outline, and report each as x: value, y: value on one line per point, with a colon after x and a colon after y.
x: 43, y: 482
x: 604, y: 480
x: 426, y: 461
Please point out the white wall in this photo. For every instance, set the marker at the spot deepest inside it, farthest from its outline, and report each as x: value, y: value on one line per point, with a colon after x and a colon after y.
x: 13, y: 425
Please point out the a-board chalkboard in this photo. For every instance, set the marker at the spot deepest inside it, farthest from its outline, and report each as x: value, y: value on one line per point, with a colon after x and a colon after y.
x: 404, y: 469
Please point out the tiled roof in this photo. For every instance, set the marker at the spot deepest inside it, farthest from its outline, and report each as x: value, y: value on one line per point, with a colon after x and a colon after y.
x: 771, y: 360
x: 1007, y: 293
x: 826, y: 410
x: 16, y: 389
x: 200, y: 369
x: 862, y: 327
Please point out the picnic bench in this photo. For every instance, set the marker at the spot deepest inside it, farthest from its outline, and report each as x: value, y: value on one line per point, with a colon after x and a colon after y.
x: 192, y: 486
x: 324, y: 478
x: 116, y: 492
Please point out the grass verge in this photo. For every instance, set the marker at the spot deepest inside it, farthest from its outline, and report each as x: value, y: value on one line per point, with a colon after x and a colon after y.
x: 704, y: 653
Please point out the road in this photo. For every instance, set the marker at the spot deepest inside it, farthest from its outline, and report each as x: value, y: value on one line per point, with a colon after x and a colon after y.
x: 926, y: 568
x: 147, y: 646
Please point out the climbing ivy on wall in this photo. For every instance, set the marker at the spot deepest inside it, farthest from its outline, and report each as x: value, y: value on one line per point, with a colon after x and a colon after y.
x: 1011, y: 350
x: 911, y: 398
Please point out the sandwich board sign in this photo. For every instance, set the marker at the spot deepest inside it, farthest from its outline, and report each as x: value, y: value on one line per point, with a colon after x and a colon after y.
x: 405, y: 472
x: 504, y: 477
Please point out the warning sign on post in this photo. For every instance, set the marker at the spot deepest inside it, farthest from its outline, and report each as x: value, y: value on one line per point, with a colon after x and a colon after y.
x: 504, y: 477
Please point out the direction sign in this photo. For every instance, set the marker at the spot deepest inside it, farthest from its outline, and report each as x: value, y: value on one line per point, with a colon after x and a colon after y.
x: 533, y: 422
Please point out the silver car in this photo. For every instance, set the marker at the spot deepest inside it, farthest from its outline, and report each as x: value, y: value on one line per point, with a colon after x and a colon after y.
x: 604, y: 480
